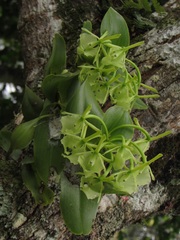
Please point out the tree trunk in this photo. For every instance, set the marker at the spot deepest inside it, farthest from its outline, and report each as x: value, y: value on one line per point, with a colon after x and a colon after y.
x: 159, y: 62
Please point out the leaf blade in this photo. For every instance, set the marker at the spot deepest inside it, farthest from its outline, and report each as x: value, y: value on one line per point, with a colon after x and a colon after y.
x: 60, y: 84
x: 57, y: 60
x: 31, y: 104
x: 42, y: 194
x: 47, y: 153
x: 114, y: 23
x: 23, y: 134
x: 74, y: 206
x: 116, y: 116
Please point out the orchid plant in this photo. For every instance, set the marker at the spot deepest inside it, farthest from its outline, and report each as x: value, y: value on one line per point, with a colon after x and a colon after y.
x: 89, y: 111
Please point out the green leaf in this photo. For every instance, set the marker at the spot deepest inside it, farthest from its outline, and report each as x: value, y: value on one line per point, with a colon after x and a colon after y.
x: 57, y: 61
x: 60, y: 84
x: 146, y: 5
x: 114, y: 23
x: 47, y: 107
x: 31, y: 105
x: 41, y: 193
x: 47, y: 152
x: 57, y: 161
x: 88, y: 25
x: 23, y: 134
x: 5, y: 144
x: 27, y: 160
x: 114, y: 117
x: 5, y: 139
x: 157, y: 6
x: 83, y: 97
x: 78, y: 211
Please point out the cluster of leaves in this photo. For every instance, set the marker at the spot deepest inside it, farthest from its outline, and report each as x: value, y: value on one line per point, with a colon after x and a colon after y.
x: 102, y: 144
x: 144, y: 4
x: 138, y: 13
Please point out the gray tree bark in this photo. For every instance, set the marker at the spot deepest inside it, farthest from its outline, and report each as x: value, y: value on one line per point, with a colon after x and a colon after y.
x: 159, y: 62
